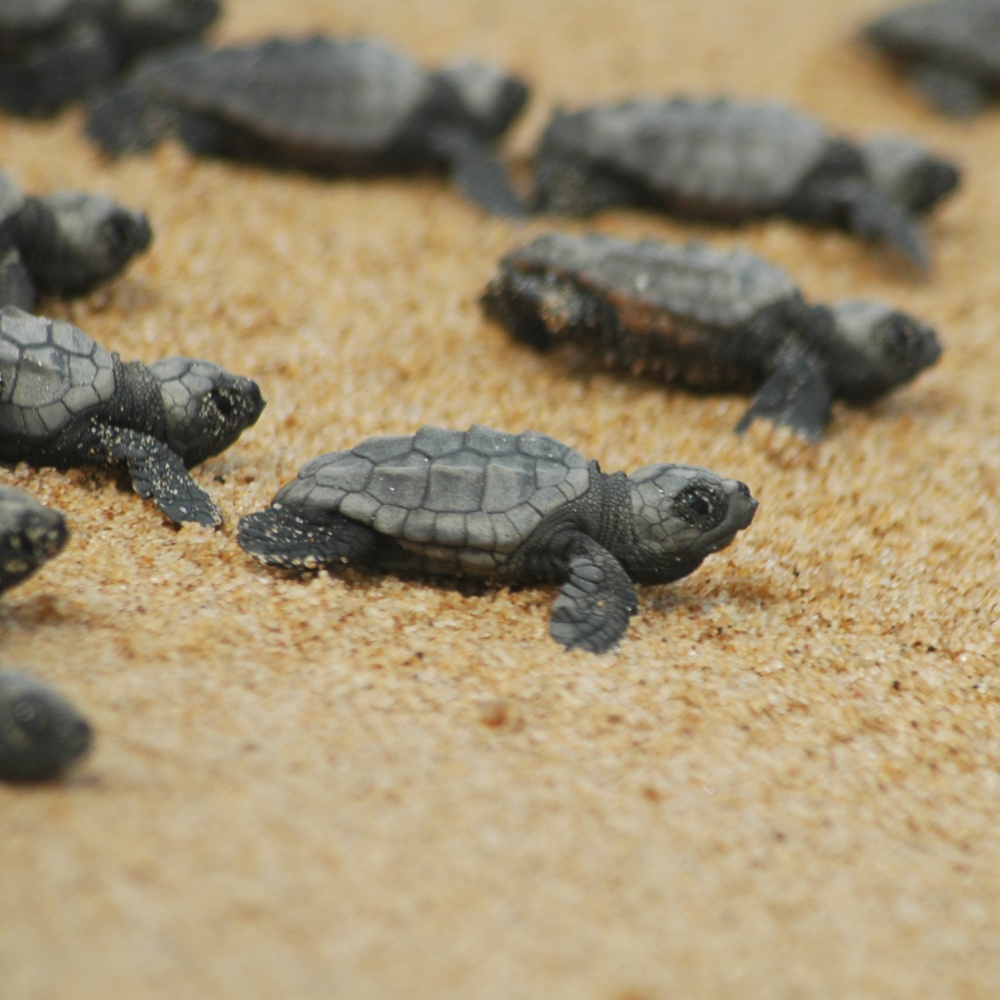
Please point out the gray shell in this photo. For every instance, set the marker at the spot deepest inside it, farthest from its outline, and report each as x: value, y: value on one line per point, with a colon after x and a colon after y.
x: 21, y: 19
x: 50, y: 374
x: 712, y: 288
x: 712, y: 151
x: 961, y: 35
x: 465, y: 499
x: 318, y: 92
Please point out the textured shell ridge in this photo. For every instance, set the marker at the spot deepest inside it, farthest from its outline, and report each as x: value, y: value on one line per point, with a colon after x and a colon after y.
x: 721, y: 289
x: 317, y: 91
x: 715, y: 150
x: 478, y: 490
x: 50, y: 373
x: 962, y: 33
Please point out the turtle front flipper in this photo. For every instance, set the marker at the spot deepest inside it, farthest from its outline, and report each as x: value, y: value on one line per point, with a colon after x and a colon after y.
x: 158, y: 474
x: 796, y: 394
x: 872, y: 216
x: 279, y: 537
x: 476, y: 172
x: 596, y: 602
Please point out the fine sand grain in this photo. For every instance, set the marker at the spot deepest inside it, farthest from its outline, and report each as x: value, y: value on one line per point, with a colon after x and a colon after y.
x: 783, y: 784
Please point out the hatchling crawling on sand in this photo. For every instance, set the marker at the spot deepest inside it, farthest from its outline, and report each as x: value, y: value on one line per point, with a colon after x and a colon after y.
x: 66, y: 401
x: 320, y: 104
x: 707, y: 319
x: 55, y: 51
x: 66, y: 243
x: 513, y: 507
x: 41, y: 733
x: 723, y: 161
x: 951, y: 48
x: 30, y: 534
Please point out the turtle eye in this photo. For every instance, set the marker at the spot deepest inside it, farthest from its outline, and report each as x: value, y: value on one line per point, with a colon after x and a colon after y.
x: 700, y: 505
x: 221, y: 402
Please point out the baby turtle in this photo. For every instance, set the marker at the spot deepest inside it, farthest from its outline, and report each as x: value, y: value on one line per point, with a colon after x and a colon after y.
x: 707, y: 319
x: 323, y: 105
x: 951, y: 48
x: 41, y: 734
x: 513, y: 507
x: 717, y: 160
x: 55, y: 51
x: 66, y: 243
x: 66, y: 401
x: 30, y: 534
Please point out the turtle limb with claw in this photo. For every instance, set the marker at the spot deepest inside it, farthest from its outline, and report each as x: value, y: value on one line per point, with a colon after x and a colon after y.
x: 513, y: 507
x: 66, y: 401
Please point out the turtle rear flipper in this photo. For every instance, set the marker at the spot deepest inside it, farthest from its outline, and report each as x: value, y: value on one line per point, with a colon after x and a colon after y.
x: 279, y: 537
x: 596, y: 602
x: 158, y: 474
x: 797, y: 394
x: 127, y: 120
x: 476, y: 172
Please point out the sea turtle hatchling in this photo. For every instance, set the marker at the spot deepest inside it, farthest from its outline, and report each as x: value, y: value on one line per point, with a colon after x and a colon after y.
x: 951, y: 48
x: 719, y: 160
x: 30, y: 534
x: 41, y: 733
x: 66, y: 401
x: 65, y: 243
x: 320, y: 104
x: 514, y: 507
x: 55, y: 51
x: 707, y: 319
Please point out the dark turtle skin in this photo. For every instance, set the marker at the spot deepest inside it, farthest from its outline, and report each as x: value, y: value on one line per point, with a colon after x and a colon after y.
x: 30, y: 534
x: 65, y: 244
x: 53, y: 52
x: 511, y: 507
x: 951, y: 49
x: 323, y: 105
x: 709, y: 320
x: 717, y: 160
x: 41, y: 733
x: 908, y: 173
x: 65, y: 401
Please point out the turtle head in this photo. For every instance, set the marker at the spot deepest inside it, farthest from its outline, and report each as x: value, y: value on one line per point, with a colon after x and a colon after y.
x: 92, y: 239
x: 909, y: 174
x: 205, y: 407
x: 876, y: 348
x: 680, y: 514
x: 41, y: 734
x: 32, y: 534
x: 490, y: 98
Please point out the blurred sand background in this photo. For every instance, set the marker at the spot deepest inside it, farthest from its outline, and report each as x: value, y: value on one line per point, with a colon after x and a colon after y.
x: 785, y: 782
